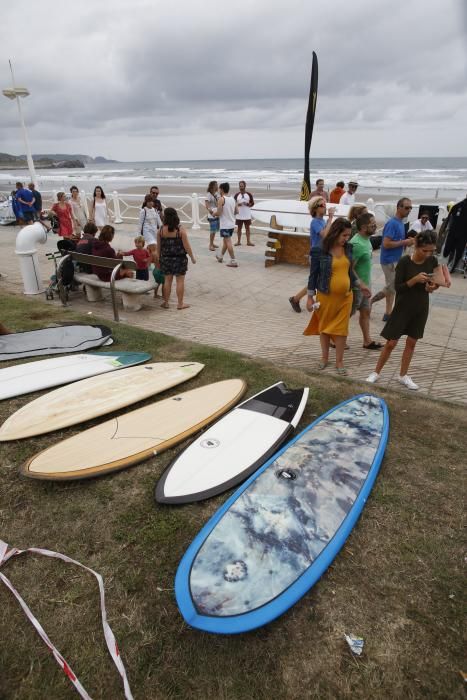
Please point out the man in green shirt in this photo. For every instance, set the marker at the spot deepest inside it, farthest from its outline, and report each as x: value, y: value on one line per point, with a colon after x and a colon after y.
x: 362, y: 253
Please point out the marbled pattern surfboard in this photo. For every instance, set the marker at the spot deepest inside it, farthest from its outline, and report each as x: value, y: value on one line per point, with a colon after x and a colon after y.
x: 278, y: 526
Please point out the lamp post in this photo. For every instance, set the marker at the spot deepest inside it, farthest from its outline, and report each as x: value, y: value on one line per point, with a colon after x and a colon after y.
x: 15, y: 93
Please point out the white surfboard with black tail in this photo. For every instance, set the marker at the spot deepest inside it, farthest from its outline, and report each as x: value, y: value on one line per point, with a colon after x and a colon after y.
x: 234, y: 447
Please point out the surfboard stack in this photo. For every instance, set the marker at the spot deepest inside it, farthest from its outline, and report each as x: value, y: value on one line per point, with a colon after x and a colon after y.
x: 277, y: 534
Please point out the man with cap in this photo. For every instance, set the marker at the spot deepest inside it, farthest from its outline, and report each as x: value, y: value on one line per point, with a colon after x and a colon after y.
x: 349, y: 196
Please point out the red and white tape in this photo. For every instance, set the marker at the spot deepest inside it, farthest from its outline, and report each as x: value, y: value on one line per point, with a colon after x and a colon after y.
x: 5, y: 555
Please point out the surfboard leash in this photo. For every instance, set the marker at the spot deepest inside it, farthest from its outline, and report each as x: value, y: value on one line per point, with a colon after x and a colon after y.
x: 5, y: 555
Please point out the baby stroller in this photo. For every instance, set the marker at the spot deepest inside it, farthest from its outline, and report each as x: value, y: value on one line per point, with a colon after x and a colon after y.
x: 63, y: 289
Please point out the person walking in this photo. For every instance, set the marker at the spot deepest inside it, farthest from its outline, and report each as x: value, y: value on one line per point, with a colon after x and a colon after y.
x: 413, y: 285
x: 227, y: 210
x: 362, y: 253
x: 393, y: 244
x: 210, y: 202
x: 62, y: 210
x: 349, y: 196
x: 37, y: 201
x: 99, y: 213
x: 318, y: 230
x: 173, y: 247
x: 331, y: 282
x: 336, y: 194
x: 77, y: 210
x: 154, y: 192
x: 320, y: 191
x: 244, y: 202
x: 149, y: 224
x: 456, y: 238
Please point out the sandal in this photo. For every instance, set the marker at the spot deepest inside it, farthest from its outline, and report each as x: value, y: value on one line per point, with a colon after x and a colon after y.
x: 165, y: 305
x: 322, y: 364
x: 341, y: 371
x: 373, y: 346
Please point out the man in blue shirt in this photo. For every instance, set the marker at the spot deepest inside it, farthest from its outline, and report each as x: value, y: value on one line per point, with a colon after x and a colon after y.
x: 393, y: 244
x: 25, y: 200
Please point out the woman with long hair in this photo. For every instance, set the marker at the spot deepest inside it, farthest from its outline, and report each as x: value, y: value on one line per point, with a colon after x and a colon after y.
x: 63, y: 212
x: 210, y: 202
x: 101, y: 247
x: 413, y: 284
x: 78, y: 213
x: 100, y: 213
x: 330, y: 284
x: 173, y: 247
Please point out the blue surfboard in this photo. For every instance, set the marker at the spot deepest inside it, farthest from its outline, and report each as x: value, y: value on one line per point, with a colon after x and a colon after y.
x: 279, y: 532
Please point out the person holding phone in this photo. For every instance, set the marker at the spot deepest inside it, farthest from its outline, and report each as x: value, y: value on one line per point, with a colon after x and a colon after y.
x: 413, y: 284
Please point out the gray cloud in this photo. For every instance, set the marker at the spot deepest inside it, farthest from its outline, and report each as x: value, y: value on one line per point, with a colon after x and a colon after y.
x: 117, y: 73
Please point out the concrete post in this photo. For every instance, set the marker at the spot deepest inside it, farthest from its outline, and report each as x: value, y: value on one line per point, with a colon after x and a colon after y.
x: 195, y: 211
x: 116, y: 202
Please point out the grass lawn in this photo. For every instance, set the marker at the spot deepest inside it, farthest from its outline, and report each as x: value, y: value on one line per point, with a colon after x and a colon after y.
x: 397, y: 582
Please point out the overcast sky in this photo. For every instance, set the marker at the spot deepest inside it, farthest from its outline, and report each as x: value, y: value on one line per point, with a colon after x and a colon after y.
x: 151, y: 80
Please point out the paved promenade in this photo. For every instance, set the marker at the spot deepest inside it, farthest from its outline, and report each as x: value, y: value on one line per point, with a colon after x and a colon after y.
x: 247, y: 310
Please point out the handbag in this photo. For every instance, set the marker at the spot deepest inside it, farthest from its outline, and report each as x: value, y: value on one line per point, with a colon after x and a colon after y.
x: 441, y: 276
x: 158, y: 275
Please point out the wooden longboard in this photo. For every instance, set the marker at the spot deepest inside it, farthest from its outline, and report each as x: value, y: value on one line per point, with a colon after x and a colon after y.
x: 94, y: 397
x: 129, y: 439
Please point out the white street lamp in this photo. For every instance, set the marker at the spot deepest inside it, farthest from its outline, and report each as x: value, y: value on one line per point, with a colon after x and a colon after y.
x: 15, y: 93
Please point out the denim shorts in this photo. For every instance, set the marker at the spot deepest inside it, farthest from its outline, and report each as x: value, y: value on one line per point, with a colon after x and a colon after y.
x: 214, y: 225
x: 226, y: 232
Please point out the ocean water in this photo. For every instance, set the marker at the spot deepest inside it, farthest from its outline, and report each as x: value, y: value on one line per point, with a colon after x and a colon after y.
x: 434, y: 177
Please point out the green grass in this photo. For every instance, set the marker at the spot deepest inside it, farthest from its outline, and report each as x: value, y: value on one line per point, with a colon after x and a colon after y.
x: 397, y: 582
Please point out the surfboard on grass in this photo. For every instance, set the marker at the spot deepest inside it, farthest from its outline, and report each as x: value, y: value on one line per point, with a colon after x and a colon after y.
x: 234, y: 447
x: 43, y: 374
x: 279, y: 532
x: 94, y: 397
x: 53, y: 341
x: 132, y: 437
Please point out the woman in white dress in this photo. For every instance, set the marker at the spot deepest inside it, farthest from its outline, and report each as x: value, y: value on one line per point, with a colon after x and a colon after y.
x: 78, y: 214
x: 99, y: 213
x: 149, y: 224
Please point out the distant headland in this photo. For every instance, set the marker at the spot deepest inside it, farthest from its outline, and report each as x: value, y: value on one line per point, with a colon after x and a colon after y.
x: 50, y: 160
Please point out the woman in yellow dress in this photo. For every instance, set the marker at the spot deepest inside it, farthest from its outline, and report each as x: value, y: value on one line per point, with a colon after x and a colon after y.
x: 331, y: 282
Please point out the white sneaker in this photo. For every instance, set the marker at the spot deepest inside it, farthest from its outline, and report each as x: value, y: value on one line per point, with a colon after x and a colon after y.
x: 372, y: 378
x: 219, y: 258
x: 407, y: 381
x: 232, y: 263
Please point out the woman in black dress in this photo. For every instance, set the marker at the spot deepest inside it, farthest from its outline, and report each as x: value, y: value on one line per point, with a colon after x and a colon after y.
x: 173, y: 247
x: 413, y: 284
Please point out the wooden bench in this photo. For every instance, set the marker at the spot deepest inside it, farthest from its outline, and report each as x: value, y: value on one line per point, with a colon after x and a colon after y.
x: 132, y: 290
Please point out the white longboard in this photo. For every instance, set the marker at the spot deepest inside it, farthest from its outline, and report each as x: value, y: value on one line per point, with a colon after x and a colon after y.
x: 94, y: 397
x: 45, y: 374
x: 132, y: 437
x: 234, y: 447
x: 291, y: 213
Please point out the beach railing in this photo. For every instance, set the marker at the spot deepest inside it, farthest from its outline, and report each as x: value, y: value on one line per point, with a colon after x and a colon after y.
x: 125, y: 208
